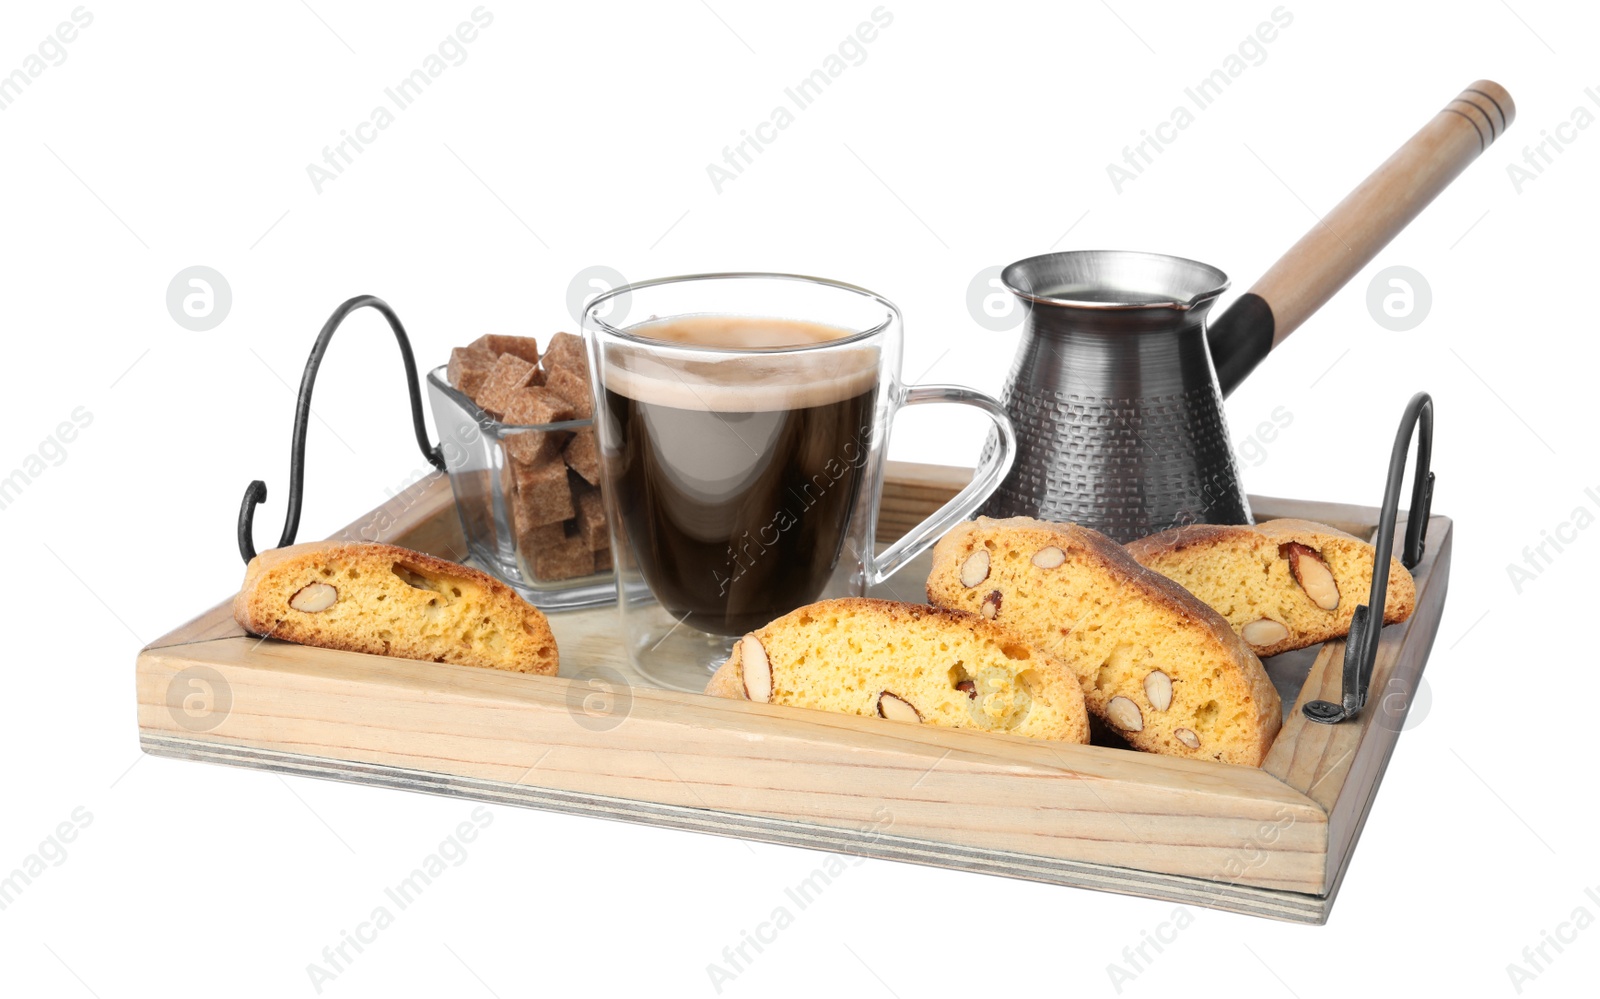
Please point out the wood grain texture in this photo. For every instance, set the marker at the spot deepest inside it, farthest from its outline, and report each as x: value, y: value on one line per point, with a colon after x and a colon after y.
x: 599, y: 739
x: 668, y: 747
x: 880, y: 842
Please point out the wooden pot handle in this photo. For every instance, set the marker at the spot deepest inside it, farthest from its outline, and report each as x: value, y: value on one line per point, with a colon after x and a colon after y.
x: 1363, y: 223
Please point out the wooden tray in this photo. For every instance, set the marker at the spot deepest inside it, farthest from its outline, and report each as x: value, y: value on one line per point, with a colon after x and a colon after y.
x: 601, y: 740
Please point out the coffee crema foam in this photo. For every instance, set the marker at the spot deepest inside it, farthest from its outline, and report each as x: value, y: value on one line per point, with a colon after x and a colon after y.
x: 766, y: 379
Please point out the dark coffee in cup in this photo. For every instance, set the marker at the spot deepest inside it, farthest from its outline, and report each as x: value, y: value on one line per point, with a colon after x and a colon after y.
x: 736, y: 477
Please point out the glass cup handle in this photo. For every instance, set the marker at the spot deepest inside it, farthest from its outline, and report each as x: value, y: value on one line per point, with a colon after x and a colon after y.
x: 991, y: 472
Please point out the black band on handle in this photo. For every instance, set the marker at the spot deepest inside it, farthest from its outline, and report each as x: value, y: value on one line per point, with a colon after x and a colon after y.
x: 1240, y: 338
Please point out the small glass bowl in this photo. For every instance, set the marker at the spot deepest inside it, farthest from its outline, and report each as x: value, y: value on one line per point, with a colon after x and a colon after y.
x: 484, y: 478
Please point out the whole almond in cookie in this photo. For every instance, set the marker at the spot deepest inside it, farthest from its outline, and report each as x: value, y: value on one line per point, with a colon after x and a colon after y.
x: 1312, y: 573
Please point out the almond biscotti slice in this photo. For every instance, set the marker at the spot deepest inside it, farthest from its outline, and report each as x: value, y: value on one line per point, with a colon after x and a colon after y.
x: 392, y: 601
x: 1162, y: 668
x: 906, y: 662
x: 1282, y: 585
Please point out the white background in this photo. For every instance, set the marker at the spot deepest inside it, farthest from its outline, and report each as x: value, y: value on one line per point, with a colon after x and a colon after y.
x: 579, y: 134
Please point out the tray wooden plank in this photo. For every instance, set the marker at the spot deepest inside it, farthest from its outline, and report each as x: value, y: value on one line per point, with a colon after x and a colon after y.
x: 1271, y: 842
x: 688, y: 750
x: 1288, y: 906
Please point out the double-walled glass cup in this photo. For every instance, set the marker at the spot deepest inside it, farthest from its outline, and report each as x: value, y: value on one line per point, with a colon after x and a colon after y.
x: 743, y: 424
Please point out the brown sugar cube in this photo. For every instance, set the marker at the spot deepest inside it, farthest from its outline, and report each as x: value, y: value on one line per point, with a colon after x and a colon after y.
x: 603, y: 561
x: 567, y: 351
x: 468, y: 368
x: 534, y: 405
x: 592, y: 518
x: 543, y: 496
x: 525, y: 347
x: 537, y: 538
x: 566, y: 559
x: 583, y: 455
x: 574, y: 388
x: 535, y: 447
x: 509, y: 374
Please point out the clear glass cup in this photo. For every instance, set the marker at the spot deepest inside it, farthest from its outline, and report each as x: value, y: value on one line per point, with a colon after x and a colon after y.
x: 742, y: 482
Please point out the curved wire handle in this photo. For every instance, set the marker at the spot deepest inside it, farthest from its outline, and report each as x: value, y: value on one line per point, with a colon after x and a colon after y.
x: 257, y: 491
x: 1361, y: 646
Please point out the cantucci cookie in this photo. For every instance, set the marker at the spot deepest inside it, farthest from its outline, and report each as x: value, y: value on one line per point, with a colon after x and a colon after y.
x: 1282, y: 585
x: 1161, y: 668
x: 392, y: 601
x: 906, y: 662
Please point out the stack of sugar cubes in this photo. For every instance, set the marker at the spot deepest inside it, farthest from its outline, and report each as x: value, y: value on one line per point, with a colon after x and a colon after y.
x: 559, y: 517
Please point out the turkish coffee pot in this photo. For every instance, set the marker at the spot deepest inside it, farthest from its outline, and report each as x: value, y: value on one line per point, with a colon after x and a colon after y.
x: 1117, y: 387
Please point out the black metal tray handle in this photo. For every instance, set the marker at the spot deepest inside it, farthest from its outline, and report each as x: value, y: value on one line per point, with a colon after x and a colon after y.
x: 1361, y: 646
x: 256, y: 493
